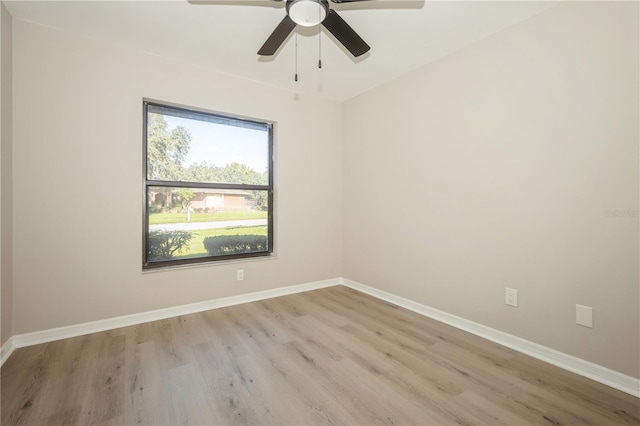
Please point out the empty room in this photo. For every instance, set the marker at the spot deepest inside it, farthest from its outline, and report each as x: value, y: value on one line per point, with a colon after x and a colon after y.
x: 311, y: 212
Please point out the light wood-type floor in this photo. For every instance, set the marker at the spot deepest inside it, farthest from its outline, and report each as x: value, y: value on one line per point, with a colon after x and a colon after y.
x: 330, y: 356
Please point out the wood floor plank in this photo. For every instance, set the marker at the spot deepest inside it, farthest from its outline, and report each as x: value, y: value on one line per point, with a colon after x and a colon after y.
x: 226, y: 385
x: 187, y: 400
x: 294, y: 326
x: 27, y: 397
x: 104, y: 401
x: 324, y: 357
x: 68, y: 371
x: 516, y: 395
x: 486, y: 412
x: 144, y: 389
x: 292, y: 379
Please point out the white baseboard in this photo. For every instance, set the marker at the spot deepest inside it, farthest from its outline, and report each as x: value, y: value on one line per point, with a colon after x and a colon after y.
x: 6, y: 350
x: 600, y: 374
x: 579, y: 366
x: 44, y: 336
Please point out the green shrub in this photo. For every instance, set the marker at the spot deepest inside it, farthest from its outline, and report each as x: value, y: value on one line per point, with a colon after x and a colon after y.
x: 154, y: 208
x: 235, y: 244
x: 163, y: 244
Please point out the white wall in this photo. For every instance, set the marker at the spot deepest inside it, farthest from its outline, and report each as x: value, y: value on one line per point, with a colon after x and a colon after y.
x: 501, y: 161
x: 6, y: 170
x: 78, y: 181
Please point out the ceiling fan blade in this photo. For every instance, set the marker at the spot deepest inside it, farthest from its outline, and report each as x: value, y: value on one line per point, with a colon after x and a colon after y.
x: 345, y: 34
x: 346, y: 1
x: 270, y: 3
x: 277, y: 37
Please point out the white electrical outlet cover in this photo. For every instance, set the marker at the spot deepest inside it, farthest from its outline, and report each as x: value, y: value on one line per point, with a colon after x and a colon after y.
x: 584, y: 316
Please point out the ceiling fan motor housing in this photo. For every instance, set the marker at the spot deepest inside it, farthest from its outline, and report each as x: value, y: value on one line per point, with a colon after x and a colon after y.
x: 307, y: 13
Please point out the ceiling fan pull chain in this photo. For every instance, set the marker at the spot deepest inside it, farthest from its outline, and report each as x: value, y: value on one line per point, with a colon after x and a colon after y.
x: 296, y: 78
x: 320, y: 49
x: 320, y: 36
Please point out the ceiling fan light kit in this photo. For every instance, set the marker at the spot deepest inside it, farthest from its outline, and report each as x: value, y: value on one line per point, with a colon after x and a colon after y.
x: 308, y: 13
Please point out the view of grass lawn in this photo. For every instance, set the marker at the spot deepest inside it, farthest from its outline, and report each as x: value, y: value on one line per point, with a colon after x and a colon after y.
x: 196, y: 248
x: 161, y: 218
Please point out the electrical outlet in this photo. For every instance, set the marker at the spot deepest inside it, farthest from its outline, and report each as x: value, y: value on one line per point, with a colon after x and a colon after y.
x: 584, y: 316
x: 511, y: 296
x: 240, y: 275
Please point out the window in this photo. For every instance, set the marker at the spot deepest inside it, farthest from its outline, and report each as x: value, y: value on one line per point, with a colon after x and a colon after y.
x: 208, y: 186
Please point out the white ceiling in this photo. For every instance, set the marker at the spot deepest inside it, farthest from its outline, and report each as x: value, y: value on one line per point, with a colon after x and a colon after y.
x: 224, y: 35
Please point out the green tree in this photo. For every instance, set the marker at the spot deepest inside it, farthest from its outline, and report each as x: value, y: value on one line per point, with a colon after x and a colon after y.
x: 184, y: 195
x: 231, y: 173
x: 166, y: 149
x: 241, y: 173
x: 203, y: 172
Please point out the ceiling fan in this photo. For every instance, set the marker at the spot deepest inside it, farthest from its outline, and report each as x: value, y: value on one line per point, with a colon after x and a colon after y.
x: 309, y: 13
